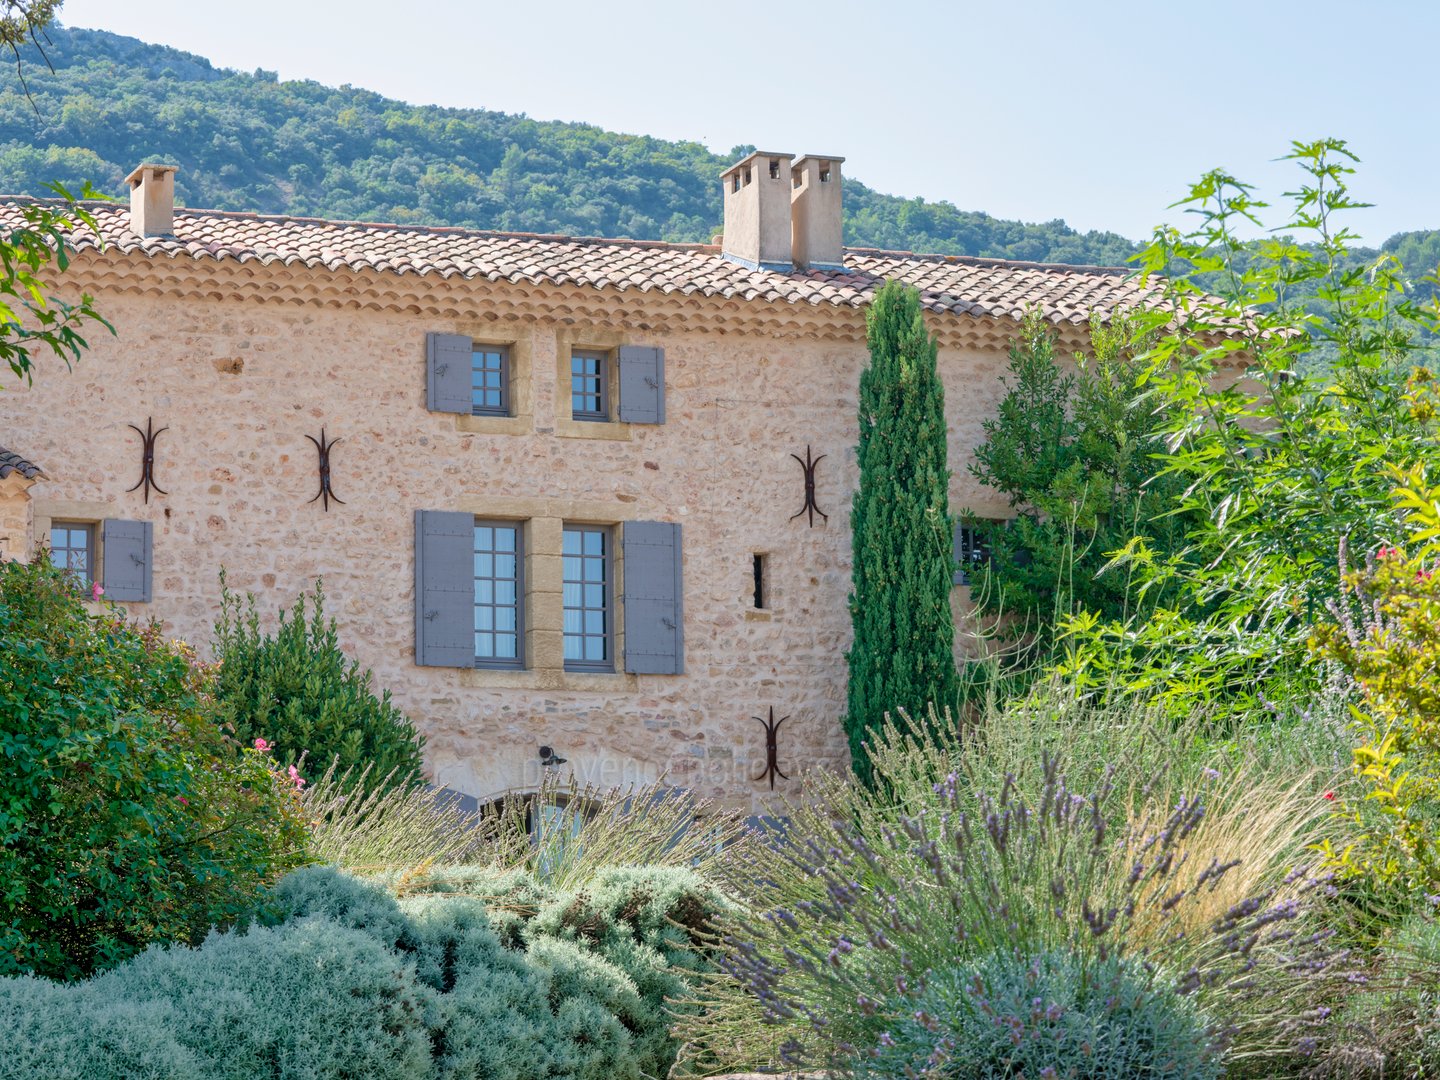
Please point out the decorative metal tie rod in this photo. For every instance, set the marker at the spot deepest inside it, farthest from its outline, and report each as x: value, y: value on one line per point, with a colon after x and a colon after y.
x: 147, y: 457
x: 325, y: 491
x: 808, y: 465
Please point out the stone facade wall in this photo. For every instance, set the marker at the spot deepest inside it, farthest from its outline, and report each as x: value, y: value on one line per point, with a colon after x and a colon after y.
x: 240, y: 380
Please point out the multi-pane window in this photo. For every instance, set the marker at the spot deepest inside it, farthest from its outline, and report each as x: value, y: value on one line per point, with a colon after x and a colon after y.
x: 490, y: 380
x: 587, y: 594
x: 588, y: 377
x: 72, y: 547
x: 974, y: 551
x: 498, y: 595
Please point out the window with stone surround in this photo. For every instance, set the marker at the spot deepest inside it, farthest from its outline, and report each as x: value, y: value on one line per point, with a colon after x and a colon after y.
x: 489, y: 380
x: 72, y: 548
x: 973, y: 550
x: 499, y: 594
x: 588, y: 598
x: 589, y: 385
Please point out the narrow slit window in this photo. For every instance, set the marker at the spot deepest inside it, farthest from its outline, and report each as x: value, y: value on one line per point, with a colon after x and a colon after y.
x: 588, y: 598
x: 499, y: 595
x: 758, y: 569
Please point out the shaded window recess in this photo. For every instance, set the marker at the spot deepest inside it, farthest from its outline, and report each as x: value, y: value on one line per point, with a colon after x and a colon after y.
x: 973, y: 551
x: 760, y: 570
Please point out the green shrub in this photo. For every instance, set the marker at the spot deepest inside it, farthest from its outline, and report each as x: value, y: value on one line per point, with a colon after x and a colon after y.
x: 648, y: 922
x: 647, y: 927
x: 125, y: 816
x: 357, y: 983
x: 903, y: 653
x: 1282, y: 372
x: 1060, y: 1013
x: 1079, y: 457
x: 299, y: 692
x: 307, y: 1000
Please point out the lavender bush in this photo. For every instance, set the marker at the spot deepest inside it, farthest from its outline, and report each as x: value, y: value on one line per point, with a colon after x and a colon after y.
x: 881, y: 898
x: 1058, y: 1014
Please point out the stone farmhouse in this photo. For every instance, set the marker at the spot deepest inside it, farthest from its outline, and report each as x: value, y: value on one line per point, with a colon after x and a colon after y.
x: 562, y: 504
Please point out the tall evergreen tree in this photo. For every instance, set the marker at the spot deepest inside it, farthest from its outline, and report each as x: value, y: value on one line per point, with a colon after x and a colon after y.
x: 903, y: 653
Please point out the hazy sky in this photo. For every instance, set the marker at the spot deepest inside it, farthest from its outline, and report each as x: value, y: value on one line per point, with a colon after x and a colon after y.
x: 1094, y: 111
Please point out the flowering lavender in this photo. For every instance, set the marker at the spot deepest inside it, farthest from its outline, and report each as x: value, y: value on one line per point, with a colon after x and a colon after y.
x: 884, y: 903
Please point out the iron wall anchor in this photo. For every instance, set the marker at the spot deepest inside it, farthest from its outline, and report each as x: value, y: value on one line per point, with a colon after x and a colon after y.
x: 147, y: 457
x: 324, y: 449
x: 808, y: 465
x: 772, y: 767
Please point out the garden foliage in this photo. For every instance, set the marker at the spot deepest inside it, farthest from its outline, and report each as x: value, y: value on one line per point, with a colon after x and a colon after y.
x: 1392, y: 1027
x: 126, y: 817
x: 1078, y: 452
x: 469, y: 974
x: 887, y: 897
x: 902, y: 656
x: 1053, y: 1014
x: 1277, y: 455
x: 299, y: 692
x: 1386, y: 637
x: 31, y: 319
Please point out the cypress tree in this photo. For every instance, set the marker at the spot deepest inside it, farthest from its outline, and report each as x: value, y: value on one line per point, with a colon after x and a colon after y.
x: 902, y: 656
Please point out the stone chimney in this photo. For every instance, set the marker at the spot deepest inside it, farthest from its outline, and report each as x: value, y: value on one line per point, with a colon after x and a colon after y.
x: 152, y: 200
x: 757, y: 212
x: 815, y: 213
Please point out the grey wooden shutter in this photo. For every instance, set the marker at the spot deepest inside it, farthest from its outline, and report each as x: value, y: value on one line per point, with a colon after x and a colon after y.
x: 125, y: 554
x: 654, y: 612
x: 447, y: 373
x: 642, y: 385
x: 962, y: 565
x: 444, y: 589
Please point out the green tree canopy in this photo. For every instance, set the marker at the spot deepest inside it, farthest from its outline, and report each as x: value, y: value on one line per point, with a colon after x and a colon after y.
x: 902, y: 656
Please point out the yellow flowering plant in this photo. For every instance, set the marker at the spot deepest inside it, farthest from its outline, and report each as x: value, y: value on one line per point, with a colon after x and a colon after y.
x: 1386, y: 636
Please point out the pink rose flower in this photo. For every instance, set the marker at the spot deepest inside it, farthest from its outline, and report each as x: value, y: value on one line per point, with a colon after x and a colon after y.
x: 96, y: 590
x: 262, y: 746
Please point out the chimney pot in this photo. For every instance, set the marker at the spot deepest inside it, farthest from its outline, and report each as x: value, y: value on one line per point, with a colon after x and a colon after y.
x: 757, y: 211
x: 817, y: 239
x: 152, y: 200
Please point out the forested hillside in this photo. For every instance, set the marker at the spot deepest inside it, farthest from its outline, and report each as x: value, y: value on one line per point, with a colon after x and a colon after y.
x: 251, y: 142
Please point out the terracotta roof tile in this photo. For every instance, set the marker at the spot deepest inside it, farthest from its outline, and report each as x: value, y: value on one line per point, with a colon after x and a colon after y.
x: 956, y: 285
x: 11, y: 462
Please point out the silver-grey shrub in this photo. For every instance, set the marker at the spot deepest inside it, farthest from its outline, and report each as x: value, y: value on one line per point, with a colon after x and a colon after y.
x: 308, y: 999
x: 1058, y: 1014
x: 468, y: 974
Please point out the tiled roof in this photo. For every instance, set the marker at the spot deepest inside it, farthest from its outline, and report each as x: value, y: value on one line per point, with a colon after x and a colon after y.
x: 11, y: 462
x: 985, y: 288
